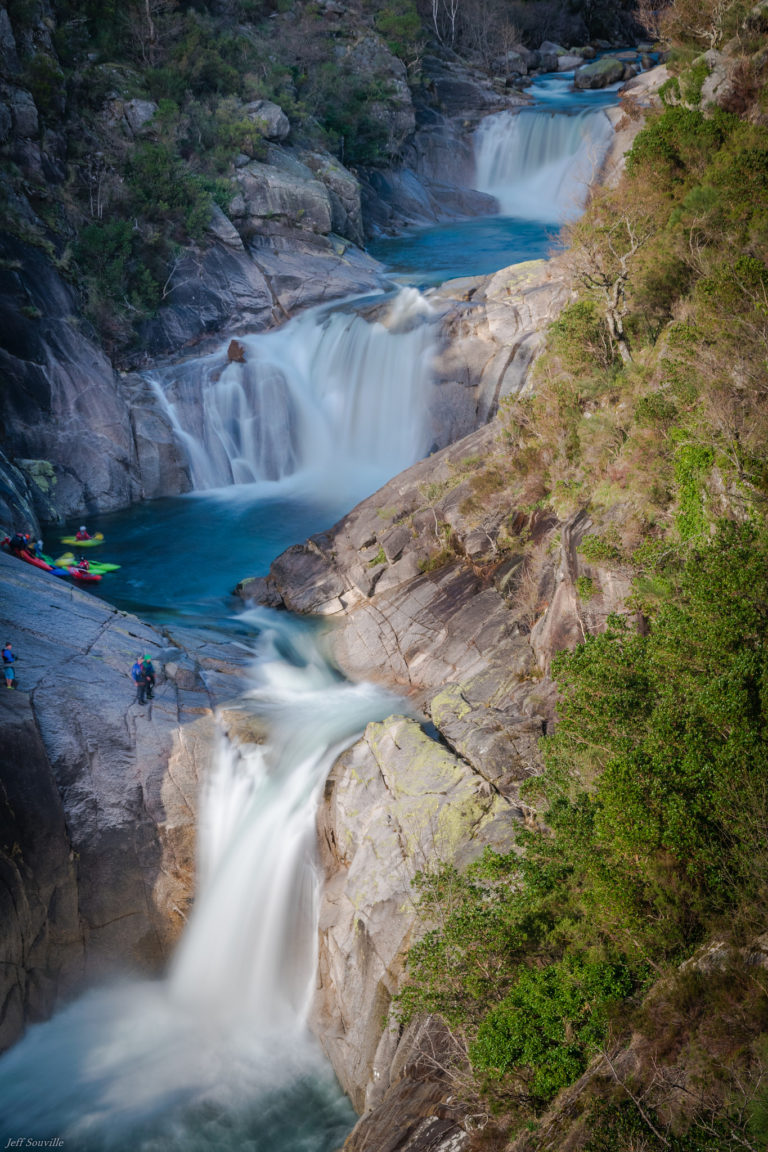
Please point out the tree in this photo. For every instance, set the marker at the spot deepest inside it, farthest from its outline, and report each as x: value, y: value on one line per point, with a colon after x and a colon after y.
x: 603, y: 246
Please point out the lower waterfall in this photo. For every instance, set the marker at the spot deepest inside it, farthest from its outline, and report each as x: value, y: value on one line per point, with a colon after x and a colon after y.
x: 217, y: 1055
x: 539, y: 163
x: 329, y: 386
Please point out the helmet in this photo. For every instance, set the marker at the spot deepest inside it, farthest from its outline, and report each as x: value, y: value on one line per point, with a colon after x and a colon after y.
x: 146, y: 656
x: 83, y: 528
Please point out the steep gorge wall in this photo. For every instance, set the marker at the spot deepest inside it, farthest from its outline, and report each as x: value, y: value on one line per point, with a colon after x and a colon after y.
x: 467, y: 635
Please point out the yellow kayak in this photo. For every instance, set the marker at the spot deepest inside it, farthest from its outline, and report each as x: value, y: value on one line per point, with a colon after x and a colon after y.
x: 98, y: 538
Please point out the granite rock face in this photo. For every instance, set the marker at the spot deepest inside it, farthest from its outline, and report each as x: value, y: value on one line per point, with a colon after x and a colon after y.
x: 394, y: 801
x: 429, y: 596
x: 99, y: 795
x: 60, y: 401
x: 493, y: 328
x: 434, y: 177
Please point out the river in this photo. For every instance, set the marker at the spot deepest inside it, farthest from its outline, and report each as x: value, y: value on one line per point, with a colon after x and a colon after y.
x: 216, y: 1055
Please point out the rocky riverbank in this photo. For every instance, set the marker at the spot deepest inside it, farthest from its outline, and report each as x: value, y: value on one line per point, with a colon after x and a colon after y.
x: 99, y: 795
x: 461, y: 606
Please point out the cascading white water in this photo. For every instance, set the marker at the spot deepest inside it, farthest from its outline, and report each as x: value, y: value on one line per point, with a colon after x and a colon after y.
x: 539, y: 163
x: 217, y: 1055
x: 328, y: 386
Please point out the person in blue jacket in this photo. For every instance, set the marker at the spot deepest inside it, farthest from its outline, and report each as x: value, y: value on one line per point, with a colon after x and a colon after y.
x: 8, y: 662
x: 140, y: 680
x: 149, y: 675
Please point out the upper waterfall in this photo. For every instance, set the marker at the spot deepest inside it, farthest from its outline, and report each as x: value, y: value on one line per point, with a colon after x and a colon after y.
x: 539, y: 163
x: 329, y: 388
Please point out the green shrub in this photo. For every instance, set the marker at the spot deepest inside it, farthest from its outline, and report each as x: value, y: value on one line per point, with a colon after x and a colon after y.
x: 551, y: 1022
x: 596, y: 548
x: 163, y: 190
x: 45, y: 80
x: 579, y: 337
x: 108, y: 255
x: 692, y: 465
x: 585, y: 588
x: 400, y: 25
x: 692, y: 82
x: 656, y: 410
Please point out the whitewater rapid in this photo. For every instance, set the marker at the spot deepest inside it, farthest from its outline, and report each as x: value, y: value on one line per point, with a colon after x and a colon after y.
x: 218, y: 1053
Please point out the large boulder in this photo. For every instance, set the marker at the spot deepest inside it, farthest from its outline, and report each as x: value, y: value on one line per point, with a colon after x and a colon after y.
x: 601, y: 73
x: 494, y: 328
x: 344, y: 194
x: 272, y: 199
x: 269, y: 118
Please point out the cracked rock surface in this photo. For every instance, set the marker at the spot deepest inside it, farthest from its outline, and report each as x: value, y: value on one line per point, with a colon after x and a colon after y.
x: 98, y: 795
x: 460, y: 605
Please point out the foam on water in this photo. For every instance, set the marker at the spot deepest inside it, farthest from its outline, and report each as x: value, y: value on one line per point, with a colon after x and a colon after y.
x: 220, y: 1046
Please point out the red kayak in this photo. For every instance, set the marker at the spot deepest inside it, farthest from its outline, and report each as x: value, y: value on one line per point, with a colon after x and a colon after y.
x: 81, y: 574
x: 30, y: 559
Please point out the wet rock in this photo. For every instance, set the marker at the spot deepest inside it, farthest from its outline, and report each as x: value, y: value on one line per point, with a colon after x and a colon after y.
x: 608, y: 70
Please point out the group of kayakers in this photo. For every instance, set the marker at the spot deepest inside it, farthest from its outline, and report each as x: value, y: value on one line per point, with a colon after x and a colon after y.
x: 21, y: 545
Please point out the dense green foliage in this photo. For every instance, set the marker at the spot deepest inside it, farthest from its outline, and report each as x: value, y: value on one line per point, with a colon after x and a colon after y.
x: 645, y: 849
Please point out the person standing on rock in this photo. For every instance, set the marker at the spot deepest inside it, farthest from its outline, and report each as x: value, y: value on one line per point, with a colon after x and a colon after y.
x: 149, y: 674
x: 8, y: 662
x: 139, y: 678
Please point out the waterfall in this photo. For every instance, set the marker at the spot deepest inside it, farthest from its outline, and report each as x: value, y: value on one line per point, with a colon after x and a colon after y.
x: 328, y: 386
x: 216, y: 1055
x: 539, y: 163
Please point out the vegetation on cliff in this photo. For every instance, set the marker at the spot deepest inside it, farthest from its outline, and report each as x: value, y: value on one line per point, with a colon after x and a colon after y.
x: 129, y: 121
x: 625, y: 943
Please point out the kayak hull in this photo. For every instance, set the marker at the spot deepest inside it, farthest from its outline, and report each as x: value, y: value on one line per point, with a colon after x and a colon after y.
x: 100, y: 566
x: 84, y: 577
x: 29, y: 559
x: 75, y: 543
